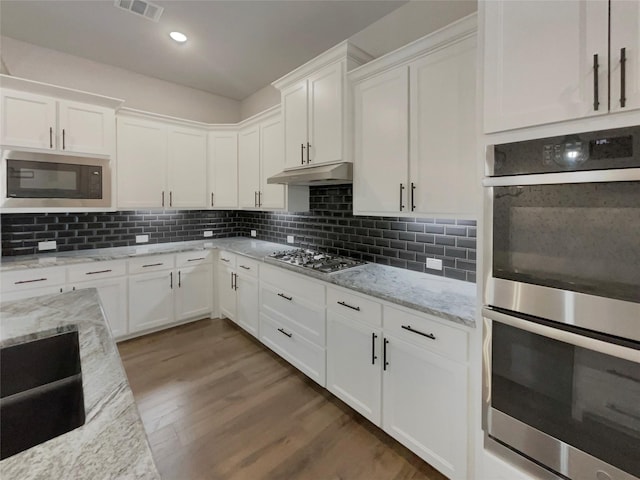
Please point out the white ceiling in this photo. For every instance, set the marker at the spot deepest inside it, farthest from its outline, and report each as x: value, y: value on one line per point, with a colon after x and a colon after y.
x: 234, y: 48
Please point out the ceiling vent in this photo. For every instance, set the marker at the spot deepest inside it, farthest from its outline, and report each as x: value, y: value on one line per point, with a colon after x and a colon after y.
x: 142, y: 8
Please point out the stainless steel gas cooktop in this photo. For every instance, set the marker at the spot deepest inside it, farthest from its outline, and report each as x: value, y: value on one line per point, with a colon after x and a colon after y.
x: 321, y: 262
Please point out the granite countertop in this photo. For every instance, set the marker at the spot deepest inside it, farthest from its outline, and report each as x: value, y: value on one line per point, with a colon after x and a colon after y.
x: 447, y: 298
x: 112, y: 443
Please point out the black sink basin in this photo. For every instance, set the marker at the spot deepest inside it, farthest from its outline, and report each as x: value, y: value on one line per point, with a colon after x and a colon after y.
x: 40, y: 391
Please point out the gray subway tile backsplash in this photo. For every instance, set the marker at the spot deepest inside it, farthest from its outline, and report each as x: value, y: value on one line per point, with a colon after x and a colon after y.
x: 329, y: 226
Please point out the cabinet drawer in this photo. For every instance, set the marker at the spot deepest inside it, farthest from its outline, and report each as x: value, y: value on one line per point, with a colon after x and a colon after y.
x: 95, y: 270
x: 421, y: 330
x: 151, y: 263
x: 226, y: 258
x: 294, y: 284
x: 298, y: 351
x: 296, y: 313
x: 18, y: 280
x: 354, y: 306
x: 247, y: 266
x: 189, y: 259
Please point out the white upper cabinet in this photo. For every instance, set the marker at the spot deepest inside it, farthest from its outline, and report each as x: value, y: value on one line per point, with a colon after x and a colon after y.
x: 187, y: 155
x: 41, y: 122
x: 223, y: 169
x: 548, y: 62
x: 249, y: 167
x: 160, y: 164
x: 271, y: 156
x: 415, y: 128
x: 315, y: 108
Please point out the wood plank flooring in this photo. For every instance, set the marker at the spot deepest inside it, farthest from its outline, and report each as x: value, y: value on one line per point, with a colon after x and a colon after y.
x: 217, y: 404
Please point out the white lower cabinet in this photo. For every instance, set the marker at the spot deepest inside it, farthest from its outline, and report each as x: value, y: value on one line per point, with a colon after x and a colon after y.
x: 247, y: 303
x: 238, y: 290
x: 113, y: 297
x: 194, y: 293
x: 150, y: 300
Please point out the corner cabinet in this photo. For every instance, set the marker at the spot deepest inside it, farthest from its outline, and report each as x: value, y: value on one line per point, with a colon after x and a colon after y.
x: 315, y: 108
x: 415, y: 128
x: 548, y: 62
x: 46, y: 118
x: 160, y: 164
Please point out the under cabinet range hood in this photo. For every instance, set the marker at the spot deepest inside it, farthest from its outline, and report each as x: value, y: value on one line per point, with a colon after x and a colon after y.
x: 336, y: 174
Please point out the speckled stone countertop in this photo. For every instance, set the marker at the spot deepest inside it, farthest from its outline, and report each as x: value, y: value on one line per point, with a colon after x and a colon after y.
x: 450, y: 299
x: 112, y: 443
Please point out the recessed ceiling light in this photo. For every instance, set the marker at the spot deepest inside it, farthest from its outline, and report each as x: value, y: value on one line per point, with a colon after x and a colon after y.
x: 178, y: 37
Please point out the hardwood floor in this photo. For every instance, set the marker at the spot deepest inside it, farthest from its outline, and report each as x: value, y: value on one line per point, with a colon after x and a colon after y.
x: 217, y: 404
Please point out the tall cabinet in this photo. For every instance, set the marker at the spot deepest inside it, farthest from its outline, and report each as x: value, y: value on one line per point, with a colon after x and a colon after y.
x: 415, y: 128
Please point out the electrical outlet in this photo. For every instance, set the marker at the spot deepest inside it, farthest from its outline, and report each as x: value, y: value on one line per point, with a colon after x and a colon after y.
x: 290, y: 239
x: 142, y: 238
x: 208, y: 234
x: 434, y: 263
x: 254, y: 233
x: 51, y: 245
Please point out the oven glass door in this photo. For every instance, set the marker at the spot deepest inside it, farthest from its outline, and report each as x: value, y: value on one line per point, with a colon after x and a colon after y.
x: 31, y: 179
x: 582, y: 237
x: 582, y: 397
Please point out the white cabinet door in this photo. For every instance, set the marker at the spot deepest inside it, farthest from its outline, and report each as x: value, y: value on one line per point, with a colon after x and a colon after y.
x: 142, y: 164
x: 443, y: 132
x: 326, y: 114
x: 539, y: 61
x: 249, y: 167
x: 272, y: 162
x: 227, y: 292
x: 151, y: 300
x: 424, y: 405
x: 28, y: 120
x: 85, y: 128
x: 354, y: 364
x: 194, y: 292
x: 294, y: 110
x: 187, y: 155
x: 113, y: 297
x: 223, y: 169
x: 625, y: 33
x: 247, y: 303
x: 382, y: 143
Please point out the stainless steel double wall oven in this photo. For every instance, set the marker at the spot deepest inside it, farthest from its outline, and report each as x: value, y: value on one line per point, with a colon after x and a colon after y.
x: 561, y: 361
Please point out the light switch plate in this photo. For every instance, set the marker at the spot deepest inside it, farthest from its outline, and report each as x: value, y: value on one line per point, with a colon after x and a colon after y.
x: 434, y: 263
x: 254, y: 233
x: 142, y: 238
x: 290, y: 239
x: 208, y: 234
x: 50, y: 245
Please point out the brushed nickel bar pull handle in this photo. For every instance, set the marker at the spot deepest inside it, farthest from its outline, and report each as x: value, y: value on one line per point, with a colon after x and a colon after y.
x: 29, y: 281
x: 98, y: 271
x: 63, y: 139
x: 349, y: 306
x: 428, y: 335
x: 285, y: 297
x: 195, y: 259
x: 281, y: 330
x: 373, y: 348
x: 596, y: 102
x: 152, y: 265
x: 401, y: 190
x: 302, y: 153
x: 50, y: 137
x: 623, y: 77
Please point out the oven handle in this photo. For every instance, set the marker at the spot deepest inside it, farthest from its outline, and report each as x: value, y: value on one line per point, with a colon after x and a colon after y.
x: 589, y: 343
x: 586, y: 176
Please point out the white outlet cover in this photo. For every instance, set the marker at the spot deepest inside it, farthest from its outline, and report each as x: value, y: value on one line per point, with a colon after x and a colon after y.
x: 142, y: 238
x: 434, y: 263
x: 50, y: 245
x: 290, y: 239
x: 208, y: 234
x: 254, y: 233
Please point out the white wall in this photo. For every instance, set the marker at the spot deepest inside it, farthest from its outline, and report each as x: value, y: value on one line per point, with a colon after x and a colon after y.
x: 139, y: 91
x: 258, y: 102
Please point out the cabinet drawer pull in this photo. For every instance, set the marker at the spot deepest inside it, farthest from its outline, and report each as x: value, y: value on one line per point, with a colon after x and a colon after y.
x: 29, y: 281
x: 373, y: 348
x: 281, y: 330
x: 401, y: 190
x: 245, y: 267
x: 428, y: 335
x: 195, y: 259
x: 224, y: 259
x: 152, y: 265
x: 623, y: 77
x: 98, y: 271
x: 384, y: 354
x: 596, y: 102
x: 285, y: 297
x: 349, y: 306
